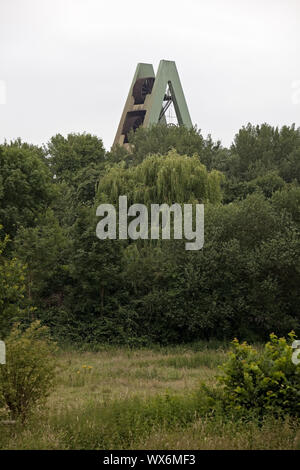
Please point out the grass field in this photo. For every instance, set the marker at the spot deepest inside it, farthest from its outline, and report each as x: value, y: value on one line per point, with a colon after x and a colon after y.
x: 140, y: 399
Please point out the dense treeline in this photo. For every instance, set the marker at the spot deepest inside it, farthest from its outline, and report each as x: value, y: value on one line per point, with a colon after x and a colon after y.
x: 244, y: 282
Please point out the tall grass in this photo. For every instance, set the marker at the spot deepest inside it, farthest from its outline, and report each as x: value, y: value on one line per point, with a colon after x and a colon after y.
x: 195, y: 360
x: 120, y: 423
x: 145, y: 398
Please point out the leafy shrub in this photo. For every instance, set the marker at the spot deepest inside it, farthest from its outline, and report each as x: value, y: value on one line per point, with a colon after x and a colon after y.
x: 27, y: 376
x: 262, y: 382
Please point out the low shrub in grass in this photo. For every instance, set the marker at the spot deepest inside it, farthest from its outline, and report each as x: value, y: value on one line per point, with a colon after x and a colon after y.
x: 27, y: 376
x: 261, y: 382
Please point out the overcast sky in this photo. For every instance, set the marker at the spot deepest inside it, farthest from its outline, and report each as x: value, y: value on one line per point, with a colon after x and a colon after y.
x: 66, y: 65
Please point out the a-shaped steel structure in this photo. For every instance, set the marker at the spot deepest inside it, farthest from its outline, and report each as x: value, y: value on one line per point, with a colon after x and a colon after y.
x: 149, y: 98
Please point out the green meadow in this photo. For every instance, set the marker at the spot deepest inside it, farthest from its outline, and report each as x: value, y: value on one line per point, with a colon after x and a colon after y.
x: 119, y: 398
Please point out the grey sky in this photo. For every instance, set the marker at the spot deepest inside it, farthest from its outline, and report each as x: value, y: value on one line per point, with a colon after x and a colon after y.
x: 67, y: 64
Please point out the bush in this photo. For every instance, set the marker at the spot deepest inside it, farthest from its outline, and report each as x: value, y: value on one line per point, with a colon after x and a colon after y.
x: 261, y: 382
x: 27, y: 376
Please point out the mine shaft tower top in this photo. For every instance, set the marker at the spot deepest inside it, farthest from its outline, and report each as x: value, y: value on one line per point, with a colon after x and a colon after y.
x: 150, y: 97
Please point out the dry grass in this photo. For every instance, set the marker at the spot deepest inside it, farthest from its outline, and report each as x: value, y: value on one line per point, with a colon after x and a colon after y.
x: 207, y: 434
x: 119, y: 374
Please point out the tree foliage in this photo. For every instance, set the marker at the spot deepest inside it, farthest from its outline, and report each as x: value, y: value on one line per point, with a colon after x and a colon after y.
x: 163, y: 179
x: 12, y: 289
x: 244, y: 282
x: 26, y: 187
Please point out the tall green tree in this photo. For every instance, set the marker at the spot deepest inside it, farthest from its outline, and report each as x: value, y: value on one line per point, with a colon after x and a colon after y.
x: 258, y: 149
x: 162, y: 179
x: 13, y: 306
x: 69, y: 155
x: 160, y: 139
x: 26, y: 188
x: 45, y: 251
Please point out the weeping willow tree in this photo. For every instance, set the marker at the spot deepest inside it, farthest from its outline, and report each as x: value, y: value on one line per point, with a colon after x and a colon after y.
x: 162, y: 179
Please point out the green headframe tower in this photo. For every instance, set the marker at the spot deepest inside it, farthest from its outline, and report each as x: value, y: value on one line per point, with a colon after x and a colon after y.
x: 150, y: 97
